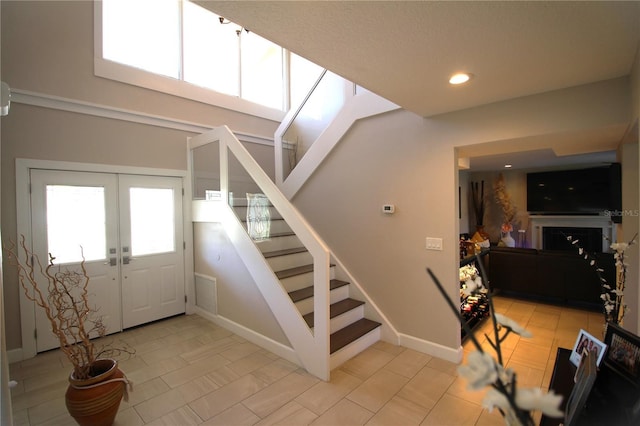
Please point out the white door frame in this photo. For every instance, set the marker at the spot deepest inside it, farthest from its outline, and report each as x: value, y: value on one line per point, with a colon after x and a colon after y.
x: 23, y: 227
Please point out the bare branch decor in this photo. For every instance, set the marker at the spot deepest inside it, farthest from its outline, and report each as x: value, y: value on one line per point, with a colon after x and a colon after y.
x: 65, y: 302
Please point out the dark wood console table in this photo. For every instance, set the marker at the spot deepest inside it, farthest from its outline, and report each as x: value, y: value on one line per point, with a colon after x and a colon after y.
x: 612, y: 401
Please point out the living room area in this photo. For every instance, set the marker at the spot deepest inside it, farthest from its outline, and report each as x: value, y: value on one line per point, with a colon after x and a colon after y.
x: 569, y: 251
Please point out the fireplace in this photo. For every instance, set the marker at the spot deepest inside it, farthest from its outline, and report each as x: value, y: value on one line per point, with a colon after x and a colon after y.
x: 555, y: 238
x: 550, y: 232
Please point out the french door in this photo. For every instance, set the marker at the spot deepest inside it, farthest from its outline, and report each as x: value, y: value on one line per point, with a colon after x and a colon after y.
x: 128, y: 229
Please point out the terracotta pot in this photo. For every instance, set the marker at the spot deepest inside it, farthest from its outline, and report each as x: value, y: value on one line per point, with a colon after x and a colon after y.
x: 95, y: 401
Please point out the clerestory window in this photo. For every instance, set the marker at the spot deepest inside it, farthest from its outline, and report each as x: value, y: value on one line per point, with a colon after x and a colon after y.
x: 181, y: 48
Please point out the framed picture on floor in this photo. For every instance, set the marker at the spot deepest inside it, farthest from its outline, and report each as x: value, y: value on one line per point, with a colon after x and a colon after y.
x: 586, y: 341
x: 623, y: 355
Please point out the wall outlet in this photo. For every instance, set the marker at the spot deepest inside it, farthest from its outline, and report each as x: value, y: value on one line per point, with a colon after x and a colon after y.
x: 434, y: 243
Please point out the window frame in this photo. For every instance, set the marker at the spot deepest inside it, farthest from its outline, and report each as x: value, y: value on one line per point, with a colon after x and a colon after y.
x: 137, y: 77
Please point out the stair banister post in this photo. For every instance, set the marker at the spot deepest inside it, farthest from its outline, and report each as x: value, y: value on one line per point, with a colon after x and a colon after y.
x: 224, y: 167
x: 321, y: 302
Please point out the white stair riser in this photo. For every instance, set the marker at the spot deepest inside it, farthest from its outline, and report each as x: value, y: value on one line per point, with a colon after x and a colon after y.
x: 349, y: 317
x: 280, y: 263
x: 300, y: 281
x: 305, y: 306
x: 345, y: 319
x: 279, y: 243
x: 354, y: 348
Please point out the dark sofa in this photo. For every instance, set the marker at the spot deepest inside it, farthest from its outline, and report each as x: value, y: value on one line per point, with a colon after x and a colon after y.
x: 558, y: 276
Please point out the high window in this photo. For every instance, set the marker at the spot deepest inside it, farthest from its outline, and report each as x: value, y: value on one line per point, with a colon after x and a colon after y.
x: 181, y: 41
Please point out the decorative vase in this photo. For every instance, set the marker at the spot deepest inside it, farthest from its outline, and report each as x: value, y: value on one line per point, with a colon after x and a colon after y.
x: 480, y: 235
x: 508, y: 240
x: 95, y: 401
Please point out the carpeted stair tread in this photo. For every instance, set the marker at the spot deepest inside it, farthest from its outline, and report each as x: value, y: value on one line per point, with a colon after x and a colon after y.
x: 351, y: 333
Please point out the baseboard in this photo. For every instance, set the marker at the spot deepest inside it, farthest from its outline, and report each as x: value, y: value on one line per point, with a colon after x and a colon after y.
x: 15, y: 355
x: 430, y: 348
x: 271, y: 345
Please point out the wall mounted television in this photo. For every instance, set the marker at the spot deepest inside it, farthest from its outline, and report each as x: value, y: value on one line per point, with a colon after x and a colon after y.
x: 590, y: 191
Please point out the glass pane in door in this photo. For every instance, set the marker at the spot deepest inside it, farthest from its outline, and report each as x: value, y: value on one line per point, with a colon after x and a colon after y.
x: 75, y: 223
x: 152, y: 221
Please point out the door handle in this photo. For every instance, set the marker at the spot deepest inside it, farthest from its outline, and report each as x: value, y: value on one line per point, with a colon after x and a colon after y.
x: 113, y: 261
x: 126, y: 260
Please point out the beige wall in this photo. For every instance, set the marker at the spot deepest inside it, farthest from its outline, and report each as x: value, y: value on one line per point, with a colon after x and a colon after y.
x: 6, y: 416
x: 47, y: 48
x: 466, y: 208
x: 215, y: 256
x: 631, y: 223
x: 630, y: 205
x: 411, y: 162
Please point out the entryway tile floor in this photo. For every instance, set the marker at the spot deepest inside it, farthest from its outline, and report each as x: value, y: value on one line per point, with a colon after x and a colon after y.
x: 189, y: 371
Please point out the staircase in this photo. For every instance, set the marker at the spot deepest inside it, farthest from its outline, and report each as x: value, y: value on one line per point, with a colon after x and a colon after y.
x: 350, y: 331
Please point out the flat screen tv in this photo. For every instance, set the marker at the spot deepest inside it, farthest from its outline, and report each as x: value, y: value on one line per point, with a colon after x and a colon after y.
x: 590, y: 191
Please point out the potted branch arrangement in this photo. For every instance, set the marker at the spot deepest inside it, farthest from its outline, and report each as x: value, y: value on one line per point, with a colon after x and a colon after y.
x: 611, y: 294
x: 96, y: 384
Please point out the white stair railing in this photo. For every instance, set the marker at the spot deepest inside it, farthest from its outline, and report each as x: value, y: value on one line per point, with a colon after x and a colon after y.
x: 354, y: 104
x: 311, y: 346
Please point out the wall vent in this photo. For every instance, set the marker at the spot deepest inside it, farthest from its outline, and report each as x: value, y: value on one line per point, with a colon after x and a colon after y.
x: 206, y: 293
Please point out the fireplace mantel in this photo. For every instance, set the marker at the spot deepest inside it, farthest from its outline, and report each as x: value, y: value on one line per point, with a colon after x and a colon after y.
x: 603, y: 222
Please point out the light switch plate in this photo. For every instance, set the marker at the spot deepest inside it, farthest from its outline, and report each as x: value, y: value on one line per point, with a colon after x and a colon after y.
x: 434, y: 243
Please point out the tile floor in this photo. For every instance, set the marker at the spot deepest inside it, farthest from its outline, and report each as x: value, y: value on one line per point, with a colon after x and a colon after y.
x: 188, y: 371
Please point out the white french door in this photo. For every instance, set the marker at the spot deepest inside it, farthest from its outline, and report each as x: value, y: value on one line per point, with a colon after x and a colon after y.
x: 129, y: 230
x: 151, y: 243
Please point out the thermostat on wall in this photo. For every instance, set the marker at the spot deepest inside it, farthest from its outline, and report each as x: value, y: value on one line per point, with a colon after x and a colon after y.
x: 388, y: 208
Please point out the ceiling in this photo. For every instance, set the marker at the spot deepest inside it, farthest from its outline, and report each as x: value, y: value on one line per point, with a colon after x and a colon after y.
x: 405, y: 51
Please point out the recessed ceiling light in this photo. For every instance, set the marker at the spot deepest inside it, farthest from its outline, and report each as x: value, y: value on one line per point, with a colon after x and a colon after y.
x: 459, y: 78
x: 507, y: 166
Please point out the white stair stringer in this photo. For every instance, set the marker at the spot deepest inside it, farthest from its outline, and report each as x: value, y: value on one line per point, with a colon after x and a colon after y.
x: 313, y: 280
x: 312, y: 349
